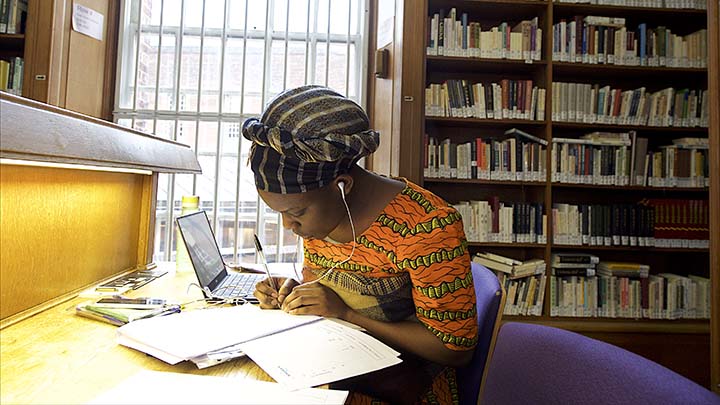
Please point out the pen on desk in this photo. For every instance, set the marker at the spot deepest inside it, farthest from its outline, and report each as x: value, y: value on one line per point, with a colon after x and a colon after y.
x: 259, y: 249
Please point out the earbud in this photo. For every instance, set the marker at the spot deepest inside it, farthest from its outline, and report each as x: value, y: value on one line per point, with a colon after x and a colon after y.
x: 341, y: 186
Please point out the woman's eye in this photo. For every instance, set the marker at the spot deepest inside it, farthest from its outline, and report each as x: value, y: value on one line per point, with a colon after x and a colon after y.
x: 298, y: 213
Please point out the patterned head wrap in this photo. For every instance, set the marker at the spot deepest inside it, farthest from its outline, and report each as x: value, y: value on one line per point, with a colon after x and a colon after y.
x: 306, y: 137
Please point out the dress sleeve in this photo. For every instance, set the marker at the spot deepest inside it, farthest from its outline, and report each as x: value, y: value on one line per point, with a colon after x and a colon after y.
x: 436, y: 257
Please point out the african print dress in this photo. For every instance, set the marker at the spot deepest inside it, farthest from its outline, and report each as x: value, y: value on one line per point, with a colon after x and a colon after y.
x: 410, y: 264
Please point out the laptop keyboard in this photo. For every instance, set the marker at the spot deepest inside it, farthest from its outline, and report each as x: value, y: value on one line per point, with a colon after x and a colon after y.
x: 238, y: 285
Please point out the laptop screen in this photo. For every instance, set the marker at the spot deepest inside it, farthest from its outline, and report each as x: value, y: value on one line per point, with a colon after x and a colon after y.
x: 202, y: 248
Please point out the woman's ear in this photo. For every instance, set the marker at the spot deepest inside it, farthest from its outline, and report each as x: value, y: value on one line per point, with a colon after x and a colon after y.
x: 344, y: 183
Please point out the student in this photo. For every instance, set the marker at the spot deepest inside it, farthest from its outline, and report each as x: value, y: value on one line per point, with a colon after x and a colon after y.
x: 381, y: 253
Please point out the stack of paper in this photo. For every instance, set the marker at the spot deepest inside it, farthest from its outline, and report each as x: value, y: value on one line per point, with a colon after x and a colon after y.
x: 154, y: 387
x: 297, y: 351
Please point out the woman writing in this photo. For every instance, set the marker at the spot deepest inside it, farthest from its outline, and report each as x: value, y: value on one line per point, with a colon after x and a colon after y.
x: 381, y: 253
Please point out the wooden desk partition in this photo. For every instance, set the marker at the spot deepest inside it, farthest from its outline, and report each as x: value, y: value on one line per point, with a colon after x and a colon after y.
x: 77, y: 202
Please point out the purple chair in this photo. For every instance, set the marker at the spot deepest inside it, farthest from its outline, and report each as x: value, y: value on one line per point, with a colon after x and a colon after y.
x: 535, y: 364
x: 490, y: 302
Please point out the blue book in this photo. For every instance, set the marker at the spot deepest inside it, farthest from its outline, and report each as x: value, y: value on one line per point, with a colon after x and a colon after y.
x: 464, y: 19
x: 643, y: 43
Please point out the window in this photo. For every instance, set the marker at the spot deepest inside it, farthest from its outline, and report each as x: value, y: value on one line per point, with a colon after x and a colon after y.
x: 194, y: 70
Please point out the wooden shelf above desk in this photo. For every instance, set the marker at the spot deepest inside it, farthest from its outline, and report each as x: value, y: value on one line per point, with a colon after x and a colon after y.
x: 78, y: 200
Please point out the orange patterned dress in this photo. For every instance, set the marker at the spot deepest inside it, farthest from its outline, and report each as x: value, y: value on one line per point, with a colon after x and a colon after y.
x: 412, y: 263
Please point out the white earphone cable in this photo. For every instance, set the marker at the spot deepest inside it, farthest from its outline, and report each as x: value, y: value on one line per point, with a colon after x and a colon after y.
x: 352, y: 228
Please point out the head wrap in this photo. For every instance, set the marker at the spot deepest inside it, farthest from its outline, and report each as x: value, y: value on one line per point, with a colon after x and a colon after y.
x: 305, y: 138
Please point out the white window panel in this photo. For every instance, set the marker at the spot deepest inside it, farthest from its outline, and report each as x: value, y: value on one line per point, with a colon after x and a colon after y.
x: 194, y: 70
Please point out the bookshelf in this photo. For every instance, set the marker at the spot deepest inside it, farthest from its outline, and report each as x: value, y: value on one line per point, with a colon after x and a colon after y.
x: 59, y: 65
x: 658, y: 339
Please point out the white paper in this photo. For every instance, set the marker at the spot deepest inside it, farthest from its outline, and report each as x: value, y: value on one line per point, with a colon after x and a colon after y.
x: 329, y: 352
x: 195, y: 333
x: 154, y: 387
x: 87, y: 21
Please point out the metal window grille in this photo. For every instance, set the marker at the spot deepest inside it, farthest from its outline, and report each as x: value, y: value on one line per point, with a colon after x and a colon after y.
x: 194, y: 70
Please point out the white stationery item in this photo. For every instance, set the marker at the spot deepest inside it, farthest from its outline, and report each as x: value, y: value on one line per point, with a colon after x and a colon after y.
x: 87, y: 21
x: 182, y: 336
x: 155, y: 387
x: 232, y: 352
x: 319, y: 353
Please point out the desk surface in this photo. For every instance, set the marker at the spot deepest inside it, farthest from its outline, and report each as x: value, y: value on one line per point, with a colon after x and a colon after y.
x: 59, y: 357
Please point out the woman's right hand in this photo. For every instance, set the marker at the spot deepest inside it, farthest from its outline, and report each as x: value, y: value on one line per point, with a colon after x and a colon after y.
x: 270, y: 298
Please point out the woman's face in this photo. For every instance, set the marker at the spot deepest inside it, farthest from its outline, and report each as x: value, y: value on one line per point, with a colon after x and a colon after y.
x: 309, y: 215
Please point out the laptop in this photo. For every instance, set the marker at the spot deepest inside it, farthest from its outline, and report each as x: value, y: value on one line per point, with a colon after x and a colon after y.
x: 211, y: 270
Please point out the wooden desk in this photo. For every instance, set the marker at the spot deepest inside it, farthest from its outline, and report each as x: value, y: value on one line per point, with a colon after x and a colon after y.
x: 59, y: 357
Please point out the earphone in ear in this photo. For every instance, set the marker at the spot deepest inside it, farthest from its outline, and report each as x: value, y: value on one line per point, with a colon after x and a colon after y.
x: 341, y: 186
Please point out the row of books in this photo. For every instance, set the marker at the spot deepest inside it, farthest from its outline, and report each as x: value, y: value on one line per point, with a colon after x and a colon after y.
x: 652, y: 223
x: 11, y: 75
x: 449, y: 35
x: 521, y: 157
x: 602, y: 158
x: 588, y: 287
x: 593, y: 103
x: 508, y: 99
x: 13, y: 15
x: 503, y: 222
x: 622, y: 159
x: 524, y: 282
x: 673, y: 4
x: 606, y: 40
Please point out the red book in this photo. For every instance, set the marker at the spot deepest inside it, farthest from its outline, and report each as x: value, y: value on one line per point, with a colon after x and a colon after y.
x: 495, y: 207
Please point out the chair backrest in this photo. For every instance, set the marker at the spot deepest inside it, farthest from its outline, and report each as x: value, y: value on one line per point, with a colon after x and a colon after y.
x: 537, y: 364
x: 490, y: 300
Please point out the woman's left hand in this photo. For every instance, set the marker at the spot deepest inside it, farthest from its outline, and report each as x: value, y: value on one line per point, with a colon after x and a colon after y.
x: 315, y: 299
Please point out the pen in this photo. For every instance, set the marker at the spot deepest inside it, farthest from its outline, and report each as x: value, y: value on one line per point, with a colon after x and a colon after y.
x: 259, y: 249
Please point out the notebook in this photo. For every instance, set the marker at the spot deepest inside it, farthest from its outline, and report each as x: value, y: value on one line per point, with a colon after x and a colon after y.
x: 211, y: 270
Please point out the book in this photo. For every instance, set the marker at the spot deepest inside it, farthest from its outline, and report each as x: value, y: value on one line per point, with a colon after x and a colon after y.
x: 492, y: 264
x: 619, y: 269
x: 498, y: 258
x: 517, y: 132
x: 574, y: 258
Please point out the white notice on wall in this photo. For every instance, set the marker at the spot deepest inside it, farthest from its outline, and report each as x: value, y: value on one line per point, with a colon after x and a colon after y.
x: 87, y: 21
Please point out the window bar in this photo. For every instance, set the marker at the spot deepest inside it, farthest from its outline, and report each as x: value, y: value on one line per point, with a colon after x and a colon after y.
x: 137, y: 62
x: 218, y: 149
x: 278, y: 256
x: 240, y: 141
x: 287, y: 33
x: 260, y: 224
x: 313, y: 43
x: 347, y: 51
x: 171, y: 176
x: 122, y: 52
x: 199, y: 90
x: 360, y: 55
x: 157, y: 65
x: 327, y: 48
x: 307, y: 44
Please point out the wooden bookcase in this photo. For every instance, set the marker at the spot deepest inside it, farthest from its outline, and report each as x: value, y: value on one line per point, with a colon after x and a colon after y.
x: 682, y: 345
x: 63, y: 67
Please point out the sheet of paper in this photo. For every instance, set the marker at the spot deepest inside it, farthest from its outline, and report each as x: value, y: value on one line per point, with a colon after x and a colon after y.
x: 328, y: 352
x: 291, y: 270
x: 87, y: 21
x: 155, y: 387
x: 194, y: 333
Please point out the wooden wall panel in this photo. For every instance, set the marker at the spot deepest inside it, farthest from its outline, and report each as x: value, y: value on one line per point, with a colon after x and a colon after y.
x: 412, y: 93
x: 64, y: 229
x: 85, y: 80
x: 382, y: 105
